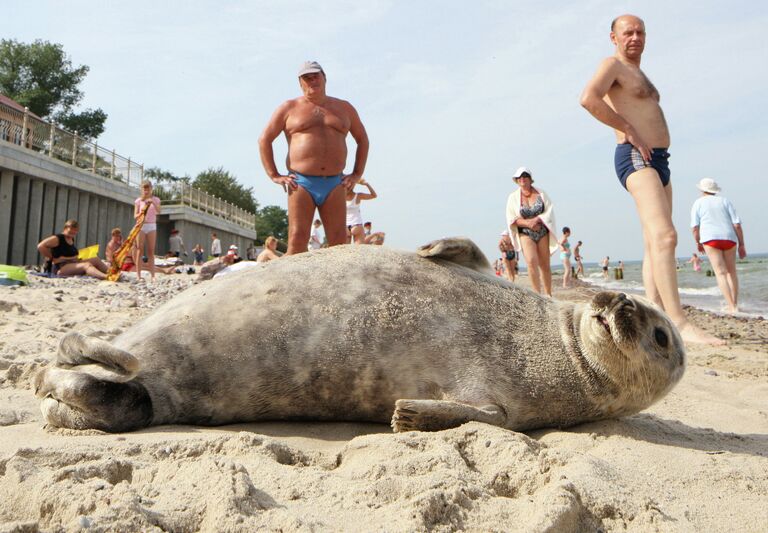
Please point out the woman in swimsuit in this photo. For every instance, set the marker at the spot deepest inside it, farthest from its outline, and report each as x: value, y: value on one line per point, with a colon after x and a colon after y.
x: 531, y: 221
x: 354, y: 217
x: 60, y: 249
x: 565, y: 256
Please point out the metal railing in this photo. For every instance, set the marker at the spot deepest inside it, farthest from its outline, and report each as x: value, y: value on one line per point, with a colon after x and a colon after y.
x: 27, y: 130
x: 182, y: 193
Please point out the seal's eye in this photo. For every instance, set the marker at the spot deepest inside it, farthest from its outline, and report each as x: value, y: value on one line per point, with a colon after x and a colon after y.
x: 661, y: 337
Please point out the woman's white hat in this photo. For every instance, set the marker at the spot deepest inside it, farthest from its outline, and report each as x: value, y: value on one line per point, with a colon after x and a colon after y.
x: 520, y: 171
x: 708, y: 185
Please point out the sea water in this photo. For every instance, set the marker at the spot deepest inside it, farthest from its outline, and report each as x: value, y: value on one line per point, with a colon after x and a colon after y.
x: 696, y: 288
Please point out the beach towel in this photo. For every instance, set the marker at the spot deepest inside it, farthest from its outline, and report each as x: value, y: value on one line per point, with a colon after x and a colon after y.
x: 118, y: 258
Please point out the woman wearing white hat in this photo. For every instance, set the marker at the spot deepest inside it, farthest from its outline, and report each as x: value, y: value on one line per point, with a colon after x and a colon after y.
x: 717, y: 231
x: 531, y: 220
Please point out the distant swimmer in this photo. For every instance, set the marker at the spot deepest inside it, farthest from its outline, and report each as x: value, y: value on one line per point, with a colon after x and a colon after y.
x: 621, y: 96
x: 604, y: 264
x: 316, y: 126
x: 695, y: 262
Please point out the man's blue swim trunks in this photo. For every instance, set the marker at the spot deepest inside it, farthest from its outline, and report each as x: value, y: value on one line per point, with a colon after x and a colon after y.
x: 319, y: 187
x: 627, y: 160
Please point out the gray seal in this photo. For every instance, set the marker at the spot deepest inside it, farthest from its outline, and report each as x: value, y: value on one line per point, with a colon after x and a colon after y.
x: 425, y: 341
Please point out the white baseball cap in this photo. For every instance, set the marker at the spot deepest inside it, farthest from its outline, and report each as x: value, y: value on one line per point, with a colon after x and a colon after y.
x: 309, y: 67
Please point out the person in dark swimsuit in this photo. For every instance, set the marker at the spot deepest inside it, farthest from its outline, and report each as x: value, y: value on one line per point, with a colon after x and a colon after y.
x: 509, y: 259
x: 526, y: 209
x: 60, y: 249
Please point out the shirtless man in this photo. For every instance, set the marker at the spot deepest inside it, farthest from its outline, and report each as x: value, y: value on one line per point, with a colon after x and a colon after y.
x: 622, y: 97
x: 315, y: 126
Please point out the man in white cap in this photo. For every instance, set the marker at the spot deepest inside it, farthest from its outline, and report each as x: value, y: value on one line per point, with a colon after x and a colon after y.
x: 316, y: 126
x: 621, y: 96
x: 718, y: 233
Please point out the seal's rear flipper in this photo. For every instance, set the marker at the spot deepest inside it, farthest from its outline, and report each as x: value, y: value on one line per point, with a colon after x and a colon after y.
x: 97, y: 358
x: 436, y: 415
x: 459, y: 250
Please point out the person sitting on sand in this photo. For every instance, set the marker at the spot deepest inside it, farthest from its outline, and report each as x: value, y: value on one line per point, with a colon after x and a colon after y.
x: 199, y: 254
x: 269, y: 253
x: 61, y: 251
x: 114, y: 244
x: 210, y: 268
x: 372, y: 237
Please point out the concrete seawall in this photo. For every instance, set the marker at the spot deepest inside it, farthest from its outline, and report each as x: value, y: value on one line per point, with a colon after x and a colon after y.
x: 38, y: 194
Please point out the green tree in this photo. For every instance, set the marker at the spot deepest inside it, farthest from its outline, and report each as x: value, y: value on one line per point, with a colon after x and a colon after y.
x: 221, y: 183
x: 41, y: 77
x: 272, y: 220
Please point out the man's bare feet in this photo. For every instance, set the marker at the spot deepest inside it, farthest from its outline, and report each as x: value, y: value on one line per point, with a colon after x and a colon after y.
x: 694, y: 335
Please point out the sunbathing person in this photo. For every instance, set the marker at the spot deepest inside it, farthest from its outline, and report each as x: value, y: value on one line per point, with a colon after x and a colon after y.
x: 61, y: 251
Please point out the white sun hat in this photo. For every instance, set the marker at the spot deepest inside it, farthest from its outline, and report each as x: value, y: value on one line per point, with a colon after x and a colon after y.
x: 708, y: 185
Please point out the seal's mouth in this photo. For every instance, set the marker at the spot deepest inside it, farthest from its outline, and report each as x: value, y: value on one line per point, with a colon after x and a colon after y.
x: 613, y: 307
x: 604, y: 322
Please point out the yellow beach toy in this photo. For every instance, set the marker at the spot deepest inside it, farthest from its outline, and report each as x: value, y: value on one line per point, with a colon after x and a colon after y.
x: 13, y: 275
x: 88, y: 252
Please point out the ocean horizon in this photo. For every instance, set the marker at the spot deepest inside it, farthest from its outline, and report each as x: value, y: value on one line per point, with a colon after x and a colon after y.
x: 695, y: 288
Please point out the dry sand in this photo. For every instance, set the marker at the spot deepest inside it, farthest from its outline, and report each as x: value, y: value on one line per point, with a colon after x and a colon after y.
x: 696, y: 461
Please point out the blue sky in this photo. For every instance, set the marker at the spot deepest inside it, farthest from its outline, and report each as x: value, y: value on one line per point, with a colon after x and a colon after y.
x: 454, y: 95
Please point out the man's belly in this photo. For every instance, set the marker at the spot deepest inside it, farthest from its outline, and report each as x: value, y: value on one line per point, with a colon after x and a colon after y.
x: 648, y: 121
x: 317, y: 154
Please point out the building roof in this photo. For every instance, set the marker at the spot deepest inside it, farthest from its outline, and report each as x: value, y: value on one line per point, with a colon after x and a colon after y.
x: 10, y: 102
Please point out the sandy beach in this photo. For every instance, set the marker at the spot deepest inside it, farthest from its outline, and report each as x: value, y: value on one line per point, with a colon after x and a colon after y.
x: 696, y: 461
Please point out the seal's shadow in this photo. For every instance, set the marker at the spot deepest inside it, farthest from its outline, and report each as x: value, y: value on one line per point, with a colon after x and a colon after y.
x: 324, y: 431
x: 657, y: 430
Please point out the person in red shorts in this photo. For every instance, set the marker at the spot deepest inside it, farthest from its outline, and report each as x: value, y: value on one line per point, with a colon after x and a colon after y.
x: 717, y: 231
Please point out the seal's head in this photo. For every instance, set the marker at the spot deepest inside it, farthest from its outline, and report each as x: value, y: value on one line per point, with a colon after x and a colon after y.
x: 634, y: 344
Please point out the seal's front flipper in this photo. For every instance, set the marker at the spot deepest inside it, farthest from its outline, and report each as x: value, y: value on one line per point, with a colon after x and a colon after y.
x: 97, y: 358
x: 435, y: 415
x: 77, y: 400
x: 459, y: 250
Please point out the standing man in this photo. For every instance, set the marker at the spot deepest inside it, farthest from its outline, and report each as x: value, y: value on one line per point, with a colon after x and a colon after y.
x: 604, y: 264
x: 176, y: 243
x: 316, y: 126
x: 215, y: 245
x: 622, y: 97
x: 577, y: 258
